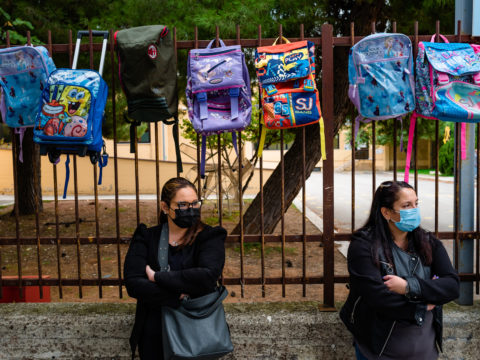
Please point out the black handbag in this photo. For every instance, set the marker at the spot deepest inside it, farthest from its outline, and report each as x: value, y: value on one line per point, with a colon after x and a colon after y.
x: 197, y: 329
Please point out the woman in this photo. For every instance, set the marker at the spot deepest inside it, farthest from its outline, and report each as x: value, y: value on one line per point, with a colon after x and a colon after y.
x: 196, y: 256
x: 400, y: 276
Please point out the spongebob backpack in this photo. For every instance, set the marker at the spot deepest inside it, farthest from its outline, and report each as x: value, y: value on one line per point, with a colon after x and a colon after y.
x: 71, y: 113
x: 380, y: 72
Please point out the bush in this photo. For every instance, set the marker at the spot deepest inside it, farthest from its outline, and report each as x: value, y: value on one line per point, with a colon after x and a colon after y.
x: 445, y: 157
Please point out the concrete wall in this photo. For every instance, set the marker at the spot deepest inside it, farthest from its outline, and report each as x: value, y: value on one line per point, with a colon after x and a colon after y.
x: 287, y: 331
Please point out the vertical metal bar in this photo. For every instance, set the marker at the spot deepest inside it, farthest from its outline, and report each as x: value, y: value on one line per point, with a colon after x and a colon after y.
x: 37, y: 220
x: 457, y: 193
x: 437, y: 149
x: 17, y: 216
x: 282, y: 188
x: 477, y: 249
x: 304, y: 200
x: 415, y: 140
x: 157, y: 172
x: 90, y: 47
x: 97, y: 233
x: 240, y: 198
x: 395, y: 129
x: 176, y: 63
x: 55, y: 192
x: 70, y: 48
x: 219, y: 149
x: 199, y: 181
x: 328, y: 190
x: 77, y: 228
x: 115, y: 163
x: 137, y: 185
x: 57, y: 231
x: 374, y: 143
x: 352, y: 42
x: 262, y: 215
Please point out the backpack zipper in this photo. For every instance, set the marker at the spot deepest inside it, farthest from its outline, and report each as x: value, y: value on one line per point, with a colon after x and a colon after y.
x: 197, y: 55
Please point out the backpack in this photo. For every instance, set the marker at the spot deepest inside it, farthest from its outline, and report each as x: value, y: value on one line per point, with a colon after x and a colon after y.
x: 380, y: 73
x: 23, y: 74
x: 71, y: 113
x: 218, y: 92
x: 447, y: 87
x: 148, y: 76
x: 289, y: 95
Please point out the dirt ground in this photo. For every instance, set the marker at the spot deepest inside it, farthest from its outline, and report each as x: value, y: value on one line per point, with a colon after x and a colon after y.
x: 108, y: 256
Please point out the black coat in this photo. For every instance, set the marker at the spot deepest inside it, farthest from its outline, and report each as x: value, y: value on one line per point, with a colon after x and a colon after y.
x: 202, y: 265
x: 371, y: 308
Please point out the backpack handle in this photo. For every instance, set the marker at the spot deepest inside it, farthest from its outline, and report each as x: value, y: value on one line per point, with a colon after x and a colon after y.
x: 283, y: 38
x: 441, y: 36
x: 209, y: 46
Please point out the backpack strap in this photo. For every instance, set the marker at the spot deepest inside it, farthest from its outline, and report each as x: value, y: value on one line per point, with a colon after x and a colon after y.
x: 401, y: 132
x: 441, y: 37
x: 322, y: 139
x: 261, y: 143
x: 102, y: 162
x: 235, y: 142
x: 67, y: 176
x: 177, y: 145
x: 234, y: 94
x: 463, y: 141
x: 411, y: 132
x: 203, y: 155
x: 202, y: 101
x: 21, y: 133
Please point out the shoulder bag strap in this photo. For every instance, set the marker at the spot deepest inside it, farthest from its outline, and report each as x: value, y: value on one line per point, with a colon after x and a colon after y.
x: 163, y: 248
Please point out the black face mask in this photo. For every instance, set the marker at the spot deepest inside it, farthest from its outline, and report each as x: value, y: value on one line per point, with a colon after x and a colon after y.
x: 186, y: 218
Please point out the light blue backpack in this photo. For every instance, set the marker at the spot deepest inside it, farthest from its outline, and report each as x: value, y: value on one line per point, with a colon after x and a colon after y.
x: 380, y: 72
x: 447, y: 87
x: 23, y: 75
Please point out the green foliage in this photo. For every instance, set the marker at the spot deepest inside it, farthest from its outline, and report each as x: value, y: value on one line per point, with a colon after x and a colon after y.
x: 17, y: 29
x: 445, y: 157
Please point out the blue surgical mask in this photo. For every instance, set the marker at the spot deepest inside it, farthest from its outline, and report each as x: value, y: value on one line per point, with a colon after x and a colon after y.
x: 409, y: 219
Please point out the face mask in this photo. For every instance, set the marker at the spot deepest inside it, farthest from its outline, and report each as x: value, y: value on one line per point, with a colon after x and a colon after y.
x: 409, y: 219
x: 186, y: 218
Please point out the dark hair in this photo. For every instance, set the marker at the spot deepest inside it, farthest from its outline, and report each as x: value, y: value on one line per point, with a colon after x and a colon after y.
x: 385, y: 196
x: 169, y: 190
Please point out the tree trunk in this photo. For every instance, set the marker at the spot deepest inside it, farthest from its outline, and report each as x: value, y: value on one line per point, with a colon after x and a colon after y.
x: 293, y: 174
x: 27, y: 184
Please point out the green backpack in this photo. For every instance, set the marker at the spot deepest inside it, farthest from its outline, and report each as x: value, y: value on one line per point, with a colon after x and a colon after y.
x: 148, y: 76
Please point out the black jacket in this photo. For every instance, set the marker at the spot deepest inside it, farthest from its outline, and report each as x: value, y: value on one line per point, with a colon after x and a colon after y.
x: 201, y: 267
x: 371, y: 309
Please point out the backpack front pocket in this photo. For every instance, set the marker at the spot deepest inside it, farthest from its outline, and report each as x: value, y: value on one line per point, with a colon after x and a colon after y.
x: 64, y: 113
x: 458, y: 101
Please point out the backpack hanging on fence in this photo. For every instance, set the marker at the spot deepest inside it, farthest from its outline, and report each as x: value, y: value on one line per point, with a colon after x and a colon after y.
x: 23, y: 74
x: 148, y: 76
x: 72, y: 112
x: 380, y: 73
x: 447, y: 87
x: 218, y: 92
x: 289, y: 95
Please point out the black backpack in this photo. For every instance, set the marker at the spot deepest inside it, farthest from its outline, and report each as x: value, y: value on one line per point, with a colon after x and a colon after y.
x: 148, y: 76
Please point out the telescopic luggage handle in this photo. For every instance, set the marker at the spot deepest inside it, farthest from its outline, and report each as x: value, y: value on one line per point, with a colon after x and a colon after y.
x: 95, y: 33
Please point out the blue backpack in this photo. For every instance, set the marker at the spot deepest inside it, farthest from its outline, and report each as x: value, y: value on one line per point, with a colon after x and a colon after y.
x: 71, y: 113
x: 380, y: 72
x: 23, y: 74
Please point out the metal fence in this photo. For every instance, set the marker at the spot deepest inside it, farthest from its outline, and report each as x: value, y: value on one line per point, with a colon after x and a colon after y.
x: 326, y: 277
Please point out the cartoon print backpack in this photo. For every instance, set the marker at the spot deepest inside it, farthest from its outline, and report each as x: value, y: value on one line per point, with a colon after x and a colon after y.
x: 218, y: 92
x: 148, y: 76
x: 23, y: 74
x: 447, y: 86
x: 289, y: 95
x: 380, y: 73
x: 72, y: 110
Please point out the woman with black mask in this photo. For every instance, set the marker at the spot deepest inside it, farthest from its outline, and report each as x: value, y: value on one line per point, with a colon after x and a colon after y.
x: 400, y: 276
x: 196, y: 255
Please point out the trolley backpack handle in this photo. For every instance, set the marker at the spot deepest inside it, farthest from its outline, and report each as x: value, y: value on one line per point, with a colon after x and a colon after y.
x: 95, y: 33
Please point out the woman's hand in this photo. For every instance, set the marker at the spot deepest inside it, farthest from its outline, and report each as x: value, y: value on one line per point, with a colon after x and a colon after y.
x: 395, y: 284
x: 183, y: 296
x: 150, y: 273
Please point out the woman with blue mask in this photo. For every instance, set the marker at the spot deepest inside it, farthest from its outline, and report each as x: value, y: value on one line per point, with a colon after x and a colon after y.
x: 400, y: 276
x: 196, y: 255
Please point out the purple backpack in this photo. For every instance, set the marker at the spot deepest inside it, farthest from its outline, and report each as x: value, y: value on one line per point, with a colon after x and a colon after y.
x: 218, y: 92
